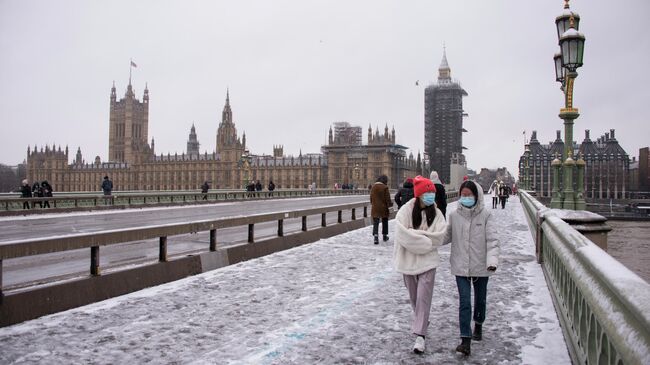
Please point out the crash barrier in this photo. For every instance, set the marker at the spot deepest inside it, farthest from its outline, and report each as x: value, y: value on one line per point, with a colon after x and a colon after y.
x: 31, y: 303
x: 604, y: 308
x: 125, y: 199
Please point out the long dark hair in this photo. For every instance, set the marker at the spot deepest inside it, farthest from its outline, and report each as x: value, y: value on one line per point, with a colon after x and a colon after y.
x: 416, y: 214
x: 471, y: 186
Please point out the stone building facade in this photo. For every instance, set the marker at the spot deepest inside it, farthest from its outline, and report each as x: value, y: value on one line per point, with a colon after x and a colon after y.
x: 606, y: 170
x: 134, y: 165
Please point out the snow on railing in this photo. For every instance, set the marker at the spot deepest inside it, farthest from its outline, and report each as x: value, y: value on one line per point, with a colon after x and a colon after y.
x: 604, y: 307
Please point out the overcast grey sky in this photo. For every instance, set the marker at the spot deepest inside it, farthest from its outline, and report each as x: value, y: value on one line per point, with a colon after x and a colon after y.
x: 296, y: 67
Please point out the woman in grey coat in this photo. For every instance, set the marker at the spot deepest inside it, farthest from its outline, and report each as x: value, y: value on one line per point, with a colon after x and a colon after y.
x: 474, y: 257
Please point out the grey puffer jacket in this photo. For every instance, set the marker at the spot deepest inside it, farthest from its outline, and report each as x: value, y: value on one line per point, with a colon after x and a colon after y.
x: 473, y: 237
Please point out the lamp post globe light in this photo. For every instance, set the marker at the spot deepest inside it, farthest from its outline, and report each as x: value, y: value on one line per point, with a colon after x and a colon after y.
x: 566, y: 62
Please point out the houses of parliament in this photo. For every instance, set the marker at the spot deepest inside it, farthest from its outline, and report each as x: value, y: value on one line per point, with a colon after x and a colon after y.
x: 134, y: 165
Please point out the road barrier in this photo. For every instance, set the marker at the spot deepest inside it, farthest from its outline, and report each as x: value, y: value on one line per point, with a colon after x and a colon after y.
x: 604, y: 308
x: 10, y: 204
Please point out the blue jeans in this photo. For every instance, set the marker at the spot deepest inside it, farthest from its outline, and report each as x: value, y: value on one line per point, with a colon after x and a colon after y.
x: 464, y: 284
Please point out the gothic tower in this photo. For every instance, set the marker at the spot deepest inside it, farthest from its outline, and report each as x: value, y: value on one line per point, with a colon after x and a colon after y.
x: 193, y: 144
x: 443, y: 121
x: 229, y: 146
x: 128, y: 127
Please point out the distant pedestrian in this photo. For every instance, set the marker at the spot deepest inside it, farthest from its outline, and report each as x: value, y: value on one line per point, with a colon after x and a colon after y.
x: 381, y: 203
x: 271, y: 187
x: 494, y: 192
x: 37, y: 191
x: 419, y: 231
x: 47, y: 192
x: 503, y: 195
x: 107, y: 185
x: 405, y: 193
x: 441, y: 194
x: 474, y: 257
x: 25, y: 192
x: 204, y: 189
x: 258, y: 187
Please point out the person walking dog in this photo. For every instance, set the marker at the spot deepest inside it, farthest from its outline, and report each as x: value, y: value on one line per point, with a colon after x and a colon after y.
x: 420, y: 230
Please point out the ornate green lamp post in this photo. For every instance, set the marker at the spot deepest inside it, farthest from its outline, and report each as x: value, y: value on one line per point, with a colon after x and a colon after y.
x: 567, y: 62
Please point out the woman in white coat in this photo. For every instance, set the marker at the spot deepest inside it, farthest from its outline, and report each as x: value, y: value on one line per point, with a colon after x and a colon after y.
x: 474, y: 257
x: 420, y: 230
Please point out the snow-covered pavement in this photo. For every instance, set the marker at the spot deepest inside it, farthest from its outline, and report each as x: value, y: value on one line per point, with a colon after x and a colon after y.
x: 336, y: 301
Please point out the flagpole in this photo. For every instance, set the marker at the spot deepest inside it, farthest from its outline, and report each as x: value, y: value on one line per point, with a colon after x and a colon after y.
x: 130, y: 68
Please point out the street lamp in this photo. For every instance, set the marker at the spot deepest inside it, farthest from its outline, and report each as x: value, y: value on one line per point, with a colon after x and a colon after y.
x: 566, y: 62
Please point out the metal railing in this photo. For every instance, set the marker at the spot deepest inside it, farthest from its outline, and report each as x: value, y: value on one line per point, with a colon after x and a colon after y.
x: 604, y: 307
x: 122, y: 199
x: 94, y: 240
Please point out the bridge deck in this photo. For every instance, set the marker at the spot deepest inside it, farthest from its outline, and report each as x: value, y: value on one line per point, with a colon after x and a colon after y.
x: 334, y: 301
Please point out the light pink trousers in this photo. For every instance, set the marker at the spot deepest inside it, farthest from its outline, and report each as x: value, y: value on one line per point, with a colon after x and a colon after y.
x: 420, y: 289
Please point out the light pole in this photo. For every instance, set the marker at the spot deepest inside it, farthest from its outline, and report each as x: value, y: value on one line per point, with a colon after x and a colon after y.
x: 567, y: 62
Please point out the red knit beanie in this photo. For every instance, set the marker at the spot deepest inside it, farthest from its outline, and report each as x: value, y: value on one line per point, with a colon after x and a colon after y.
x: 423, y: 185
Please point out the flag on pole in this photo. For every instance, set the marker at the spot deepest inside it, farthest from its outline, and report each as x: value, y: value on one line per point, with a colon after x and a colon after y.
x: 133, y: 64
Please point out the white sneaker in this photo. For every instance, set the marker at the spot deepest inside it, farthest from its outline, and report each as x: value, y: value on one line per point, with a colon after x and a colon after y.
x: 418, y: 348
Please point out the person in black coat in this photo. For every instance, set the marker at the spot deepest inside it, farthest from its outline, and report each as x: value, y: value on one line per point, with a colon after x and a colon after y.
x: 37, y: 191
x: 25, y: 192
x: 405, y: 193
x: 47, y: 192
x: 441, y: 194
x: 271, y: 187
x: 204, y: 189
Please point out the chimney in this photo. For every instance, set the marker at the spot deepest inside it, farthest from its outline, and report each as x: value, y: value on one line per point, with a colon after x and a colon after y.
x: 586, y: 133
x: 606, y: 137
x: 611, y: 133
x: 557, y: 135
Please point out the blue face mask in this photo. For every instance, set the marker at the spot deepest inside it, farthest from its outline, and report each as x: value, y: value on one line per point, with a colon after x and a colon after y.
x: 428, y: 198
x: 467, y: 201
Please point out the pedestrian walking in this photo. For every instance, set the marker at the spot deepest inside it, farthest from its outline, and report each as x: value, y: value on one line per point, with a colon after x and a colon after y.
x: 494, y: 191
x: 204, y: 189
x: 474, y: 258
x: 107, y: 185
x: 47, y: 192
x: 25, y: 192
x: 441, y: 194
x: 271, y: 187
x: 37, y: 191
x: 405, y: 193
x: 503, y: 195
x: 420, y: 229
x: 381, y: 203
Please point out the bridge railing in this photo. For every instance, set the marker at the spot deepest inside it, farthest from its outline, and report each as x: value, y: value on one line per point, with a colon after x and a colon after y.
x: 604, y: 308
x: 71, y: 201
x: 94, y: 240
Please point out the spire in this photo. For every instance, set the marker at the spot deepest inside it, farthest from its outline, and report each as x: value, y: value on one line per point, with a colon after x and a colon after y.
x: 226, y: 115
x: 444, y: 72
x: 228, y: 96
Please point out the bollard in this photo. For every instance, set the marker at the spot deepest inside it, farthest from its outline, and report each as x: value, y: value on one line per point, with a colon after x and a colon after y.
x: 213, y: 240
x: 280, y: 227
x: 304, y: 223
x: 340, y: 218
x: 323, y: 220
x: 1, y: 281
x: 354, y: 214
x: 251, y: 233
x: 162, y: 255
x: 365, y: 212
x: 94, y: 261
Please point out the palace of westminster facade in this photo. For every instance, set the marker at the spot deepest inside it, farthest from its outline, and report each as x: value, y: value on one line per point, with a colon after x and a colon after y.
x: 134, y: 165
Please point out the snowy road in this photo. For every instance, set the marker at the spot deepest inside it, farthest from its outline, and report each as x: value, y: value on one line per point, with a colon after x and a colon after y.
x: 337, y: 301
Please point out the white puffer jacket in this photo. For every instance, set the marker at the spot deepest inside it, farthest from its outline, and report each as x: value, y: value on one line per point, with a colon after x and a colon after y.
x: 473, y: 237
x: 416, y: 250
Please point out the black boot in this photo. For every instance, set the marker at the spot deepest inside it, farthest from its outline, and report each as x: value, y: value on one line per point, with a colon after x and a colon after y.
x: 465, y: 346
x: 385, y: 237
x: 376, y: 239
x: 478, y: 332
